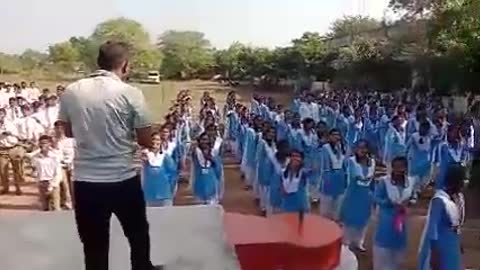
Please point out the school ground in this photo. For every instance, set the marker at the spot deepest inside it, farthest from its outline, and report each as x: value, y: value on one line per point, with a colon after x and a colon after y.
x: 159, y: 98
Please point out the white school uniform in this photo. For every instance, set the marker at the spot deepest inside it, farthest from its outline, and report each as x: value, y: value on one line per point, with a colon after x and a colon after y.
x: 309, y: 110
x: 48, y: 168
x: 29, y: 128
x: 48, y: 117
x: 8, y: 141
x: 67, y: 150
x: 14, y: 113
x: 33, y: 94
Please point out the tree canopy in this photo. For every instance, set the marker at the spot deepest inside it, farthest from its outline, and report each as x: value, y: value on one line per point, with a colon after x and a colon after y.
x: 444, y: 50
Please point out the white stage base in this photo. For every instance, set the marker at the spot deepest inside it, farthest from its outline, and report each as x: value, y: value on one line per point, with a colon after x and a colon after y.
x: 183, y: 238
x: 348, y: 260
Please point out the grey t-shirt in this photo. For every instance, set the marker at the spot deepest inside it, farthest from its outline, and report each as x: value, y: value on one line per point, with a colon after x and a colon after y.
x: 104, y: 113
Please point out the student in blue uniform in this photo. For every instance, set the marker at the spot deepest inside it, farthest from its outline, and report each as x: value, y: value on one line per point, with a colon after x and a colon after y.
x: 333, y: 182
x: 450, y: 152
x: 355, y: 129
x: 175, y: 151
x: 395, y: 141
x: 419, y: 152
x: 266, y: 148
x: 294, y: 185
x: 392, y: 195
x: 440, y: 244
x: 275, y: 167
x: 282, y: 125
x: 344, y: 119
x: 413, y: 124
x: 358, y: 202
x: 206, y: 172
x: 255, y: 105
x: 250, y: 147
x: 371, y: 131
x: 384, y: 126
x: 217, y: 146
x: 294, y: 129
x: 439, y: 130
x: 309, y: 143
x: 232, y: 123
x: 316, y: 164
x: 158, y: 173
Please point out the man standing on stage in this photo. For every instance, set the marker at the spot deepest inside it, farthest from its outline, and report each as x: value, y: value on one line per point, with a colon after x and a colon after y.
x: 107, y: 118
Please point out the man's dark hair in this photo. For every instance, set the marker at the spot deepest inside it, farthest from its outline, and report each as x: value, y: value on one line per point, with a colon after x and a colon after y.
x: 112, y: 54
x: 45, y: 137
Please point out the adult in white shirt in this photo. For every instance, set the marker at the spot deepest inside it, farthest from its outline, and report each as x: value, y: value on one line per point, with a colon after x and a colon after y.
x: 10, y: 152
x: 48, y: 173
x: 13, y: 111
x: 49, y: 115
x: 309, y: 109
x: 104, y: 115
x: 33, y: 92
x: 22, y: 91
x: 6, y: 95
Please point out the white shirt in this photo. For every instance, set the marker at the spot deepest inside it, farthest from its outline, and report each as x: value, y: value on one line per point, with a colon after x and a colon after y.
x: 29, y: 129
x: 104, y: 113
x: 155, y: 159
x: 49, y: 116
x: 66, y: 148
x: 33, y: 94
x: 3, y: 98
x: 48, y: 168
x: 14, y: 113
x: 309, y: 110
x: 7, y: 141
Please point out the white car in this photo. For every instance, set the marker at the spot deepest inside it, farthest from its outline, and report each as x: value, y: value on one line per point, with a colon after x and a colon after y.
x: 153, y: 77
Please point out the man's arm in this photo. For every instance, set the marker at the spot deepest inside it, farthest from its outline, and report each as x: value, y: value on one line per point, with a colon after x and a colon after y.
x: 63, y: 115
x: 142, y: 123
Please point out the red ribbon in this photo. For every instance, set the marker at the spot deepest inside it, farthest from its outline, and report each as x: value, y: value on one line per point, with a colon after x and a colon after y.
x: 399, y: 219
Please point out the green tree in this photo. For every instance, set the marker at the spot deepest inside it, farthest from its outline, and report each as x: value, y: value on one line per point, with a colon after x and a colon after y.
x: 350, y: 26
x: 312, y: 49
x: 147, y: 59
x: 32, y: 59
x: 121, y: 29
x: 144, y: 56
x: 10, y: 63
x: 187, y: 54
x: 64, y: 55
x: 228, y: 63
x: 87, y: 52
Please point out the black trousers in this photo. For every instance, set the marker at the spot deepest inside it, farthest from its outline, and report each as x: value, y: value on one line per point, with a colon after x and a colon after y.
x: 94, y: 205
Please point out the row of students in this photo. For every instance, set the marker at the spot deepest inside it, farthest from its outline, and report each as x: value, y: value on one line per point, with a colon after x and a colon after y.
x: 393, y: 193
x: 172, y: 148
x: 287, y: 192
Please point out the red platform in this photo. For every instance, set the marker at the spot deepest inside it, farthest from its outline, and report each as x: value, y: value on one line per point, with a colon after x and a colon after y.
x: 279, y: 242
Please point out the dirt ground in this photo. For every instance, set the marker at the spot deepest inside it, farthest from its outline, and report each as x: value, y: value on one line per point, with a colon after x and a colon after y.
x: 237, y: 199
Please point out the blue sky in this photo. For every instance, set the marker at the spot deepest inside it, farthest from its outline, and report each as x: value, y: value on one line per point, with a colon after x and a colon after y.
x: 39, y: 23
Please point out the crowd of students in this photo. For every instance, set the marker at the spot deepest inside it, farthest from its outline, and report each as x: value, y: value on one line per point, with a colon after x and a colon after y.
x: 319, y: 151
x: 31, y: 136
x: 325, y: 148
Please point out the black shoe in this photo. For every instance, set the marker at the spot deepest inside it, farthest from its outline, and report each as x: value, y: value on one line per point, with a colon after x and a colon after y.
x: 159, y: 267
